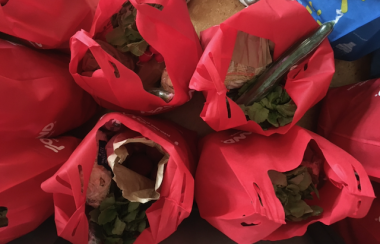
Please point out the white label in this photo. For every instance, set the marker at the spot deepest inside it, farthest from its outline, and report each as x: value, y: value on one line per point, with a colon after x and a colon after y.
x: 47, y: 130
x: 49, y: 144
x: 346, y: 47
x: 237, y: 138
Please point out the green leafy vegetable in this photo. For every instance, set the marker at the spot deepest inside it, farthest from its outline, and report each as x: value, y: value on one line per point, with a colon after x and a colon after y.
x: 132, y: 206
x: 3, y: 217
x: 137, y: 48
x: 107, y: 215
x: 129, y: 241
x: 292, y: 188
x: 131, y: 216
x: 113, y: 240
x: 108, y: 202
x: 125, y: 36
x: 276, y: 71
x: 142, y: 215
x: 257, y: 112
x: 276, y: 109
x: 142, y: 226
x: 94, y: 215
x: 119, y: 227
x: 119, y: 220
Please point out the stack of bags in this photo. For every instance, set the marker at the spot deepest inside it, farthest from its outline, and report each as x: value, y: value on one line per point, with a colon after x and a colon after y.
x: 134, y: 178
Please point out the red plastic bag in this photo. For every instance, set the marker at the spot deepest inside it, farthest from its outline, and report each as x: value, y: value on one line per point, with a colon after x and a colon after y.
x: 169, y: 31
x: 50, y: 24
x: 350, y: 119
x: 164, y: 215
x: 284, y: 23
x: 365, y: 230
x: 24, y: 165
x: 235, y: 194
x: 38, y: 97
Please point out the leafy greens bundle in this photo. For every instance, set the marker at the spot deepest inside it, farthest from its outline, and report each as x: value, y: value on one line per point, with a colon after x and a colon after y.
x: 292, y: 188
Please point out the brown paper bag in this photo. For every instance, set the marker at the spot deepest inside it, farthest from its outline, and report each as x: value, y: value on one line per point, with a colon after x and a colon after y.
x: 135, y: 187
x: 251, y: 55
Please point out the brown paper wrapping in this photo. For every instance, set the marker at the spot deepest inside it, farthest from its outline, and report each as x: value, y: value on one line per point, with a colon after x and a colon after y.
x: 135, y: 187
x: 250, y: 57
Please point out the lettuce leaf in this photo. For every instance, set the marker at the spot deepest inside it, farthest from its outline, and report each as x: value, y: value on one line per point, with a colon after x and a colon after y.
x: 276, y: 109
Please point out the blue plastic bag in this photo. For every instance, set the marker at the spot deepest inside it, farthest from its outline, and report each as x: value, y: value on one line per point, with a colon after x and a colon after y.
x: 357, y: 32
x: 375, y: 64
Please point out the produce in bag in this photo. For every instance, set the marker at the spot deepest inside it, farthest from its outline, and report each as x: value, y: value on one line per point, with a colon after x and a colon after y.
x: 276, y: 109
x: 137, y: 164
x: 254, y: 195
x: 349, y: 118
x: 294, y: 187
x: 129, y: 47
x: 262, y: 100
x: 250, y: 57
x: 24, y: 165
x: 126, y: 67
x: 127, y: 194
x: 283, y: 86
x: 39, y: 98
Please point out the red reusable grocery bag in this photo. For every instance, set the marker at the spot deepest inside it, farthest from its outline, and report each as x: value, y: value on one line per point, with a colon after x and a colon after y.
x: 232, y: 178
x: 24, y: 165
x: 169, y: 31
x: 365, y: 230
x: 284, y: 23
x: 46, y: 24
x: 350, y: 119
x: 177, y: 189
x: 38, y: 97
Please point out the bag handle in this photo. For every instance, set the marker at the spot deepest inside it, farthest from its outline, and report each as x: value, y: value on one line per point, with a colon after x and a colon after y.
x: 215, y: 75
x: 171, y: 210
x: 100, y: 17
x: 143, y: 7
x: 108, y: 64
x: 174, y: 14
x: 206, y: 84
x: 100, y: 55
x: 365, y: 194
x: 265, y: 204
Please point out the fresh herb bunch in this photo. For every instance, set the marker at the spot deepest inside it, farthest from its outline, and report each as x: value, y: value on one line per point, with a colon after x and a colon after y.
x: 125, y: 36
x: 120, y: 220
x: 3, y: 217
x: 292, y: 188
x: 276, y: 109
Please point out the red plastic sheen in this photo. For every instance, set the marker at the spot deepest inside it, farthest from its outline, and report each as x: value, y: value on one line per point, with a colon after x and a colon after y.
x: 239, y: 162
x: 284, y: 23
